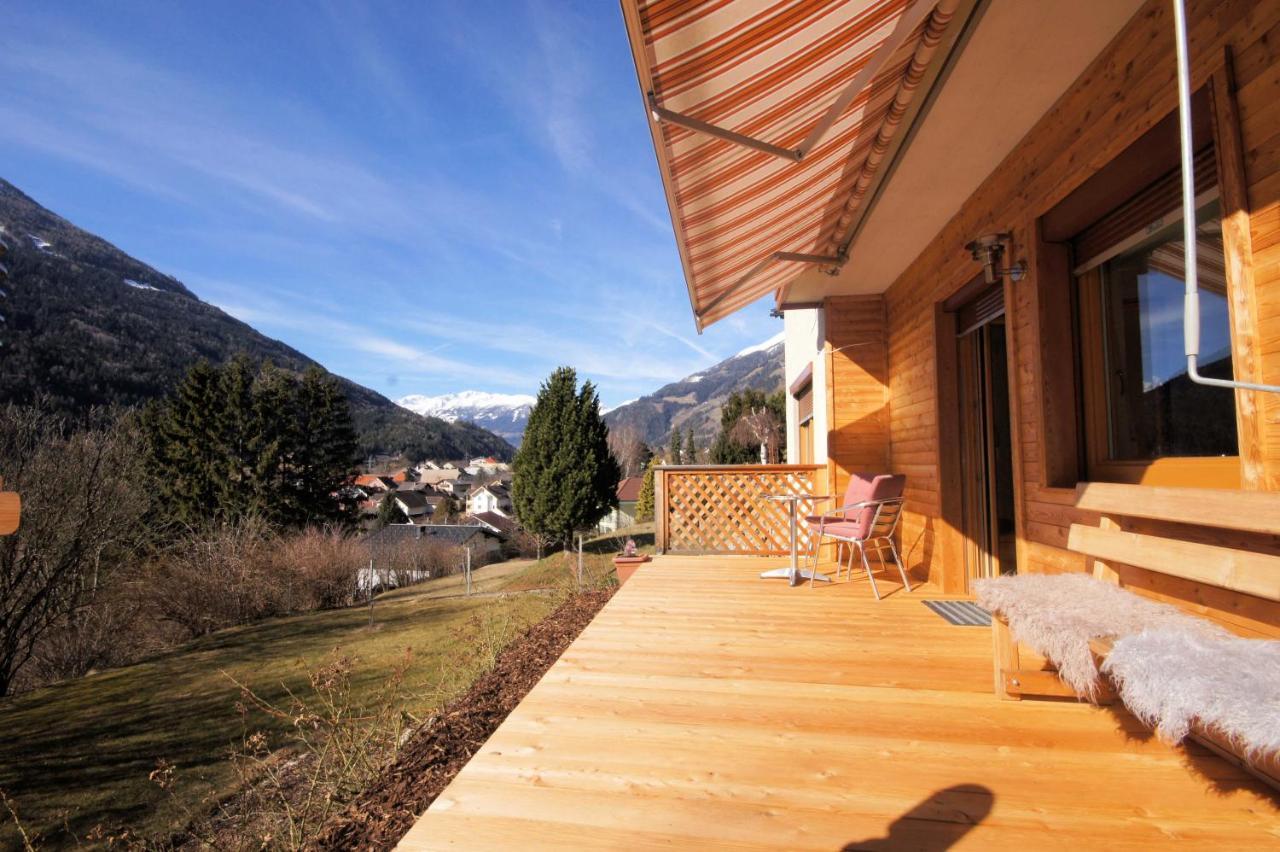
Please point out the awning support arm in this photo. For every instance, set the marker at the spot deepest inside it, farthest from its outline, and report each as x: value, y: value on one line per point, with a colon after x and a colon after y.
x: 906, y: 25
x: 776, y: 257
x: 1191, y: 295
x: 662, y: 114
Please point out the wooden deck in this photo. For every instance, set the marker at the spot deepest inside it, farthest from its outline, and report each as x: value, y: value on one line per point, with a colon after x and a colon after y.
x: 707, y: 708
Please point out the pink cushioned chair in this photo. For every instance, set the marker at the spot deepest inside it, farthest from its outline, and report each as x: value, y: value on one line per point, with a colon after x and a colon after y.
x: 867, y: 518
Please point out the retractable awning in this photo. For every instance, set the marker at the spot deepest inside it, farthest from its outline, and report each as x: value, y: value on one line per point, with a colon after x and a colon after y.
x: 771, y: 122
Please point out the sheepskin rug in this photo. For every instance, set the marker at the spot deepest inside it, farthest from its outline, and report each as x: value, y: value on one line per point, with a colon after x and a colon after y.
x: 1170, y: 678
x: 1057, y: 615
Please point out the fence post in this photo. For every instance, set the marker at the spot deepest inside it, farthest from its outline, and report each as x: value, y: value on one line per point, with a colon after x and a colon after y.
x: 468, y: 570
x: 660, y: 510
x: 579, y: 561
x: 370, y: 591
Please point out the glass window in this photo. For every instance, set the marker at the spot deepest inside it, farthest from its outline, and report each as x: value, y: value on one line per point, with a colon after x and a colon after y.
x: 1153, y: 410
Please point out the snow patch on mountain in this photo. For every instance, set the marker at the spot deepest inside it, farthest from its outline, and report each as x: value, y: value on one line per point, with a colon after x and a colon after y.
x: 505, y: 414
x: 139, y: 285
x: 763, y: 347
x: 605, y: 409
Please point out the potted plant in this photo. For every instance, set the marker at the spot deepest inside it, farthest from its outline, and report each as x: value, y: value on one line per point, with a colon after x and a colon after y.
x: 626, y: 562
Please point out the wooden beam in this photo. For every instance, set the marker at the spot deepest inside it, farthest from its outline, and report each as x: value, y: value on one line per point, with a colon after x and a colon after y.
x: 1042, y: 684
x: 1238, y: 570
x: 1005, y: 656
x: 1203, y: 507
x: 1237, y: 244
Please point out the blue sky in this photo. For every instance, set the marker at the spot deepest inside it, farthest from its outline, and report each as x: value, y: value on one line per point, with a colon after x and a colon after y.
x: 424, y: 197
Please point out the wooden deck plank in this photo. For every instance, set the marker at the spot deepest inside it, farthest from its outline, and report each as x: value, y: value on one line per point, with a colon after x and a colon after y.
x: 705, y: 707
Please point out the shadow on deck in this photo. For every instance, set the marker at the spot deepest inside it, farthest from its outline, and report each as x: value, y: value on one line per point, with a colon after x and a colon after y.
x: 706, y: 707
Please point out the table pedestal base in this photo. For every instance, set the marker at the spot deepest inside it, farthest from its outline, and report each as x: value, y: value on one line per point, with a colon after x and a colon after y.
x: 798, y: 573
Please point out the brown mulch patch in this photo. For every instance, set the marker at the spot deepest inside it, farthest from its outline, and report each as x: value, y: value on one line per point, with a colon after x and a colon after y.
x: 437, y: 751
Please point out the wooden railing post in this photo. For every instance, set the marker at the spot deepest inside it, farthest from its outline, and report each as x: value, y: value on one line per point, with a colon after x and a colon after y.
x: 660, y: 510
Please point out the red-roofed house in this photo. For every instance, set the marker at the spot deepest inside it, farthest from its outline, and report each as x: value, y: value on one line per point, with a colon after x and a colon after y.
x: 370, y: 482
x: 625, y: 513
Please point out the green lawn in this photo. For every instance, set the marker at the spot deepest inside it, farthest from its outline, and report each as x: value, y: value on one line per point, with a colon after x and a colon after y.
x: 77, y: 754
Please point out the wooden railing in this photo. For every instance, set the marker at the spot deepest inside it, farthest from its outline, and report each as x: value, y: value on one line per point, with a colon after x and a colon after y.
x: 721, y: 508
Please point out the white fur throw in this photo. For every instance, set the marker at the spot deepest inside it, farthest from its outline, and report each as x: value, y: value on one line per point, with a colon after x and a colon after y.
x: 1170, y: 678
x: 1057, y: 615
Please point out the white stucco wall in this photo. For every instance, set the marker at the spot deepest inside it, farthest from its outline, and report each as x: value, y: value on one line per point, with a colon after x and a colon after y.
x: 805, y: 337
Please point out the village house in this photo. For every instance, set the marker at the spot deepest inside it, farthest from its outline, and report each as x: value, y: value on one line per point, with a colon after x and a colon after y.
x: 414, y: 504
x: 436, y: 478
x: 458, y: 486
x: 500, y: 524
x: 484, y: 543
x: 624, y: 514
x: 490, y: 497
x: 371, y: 482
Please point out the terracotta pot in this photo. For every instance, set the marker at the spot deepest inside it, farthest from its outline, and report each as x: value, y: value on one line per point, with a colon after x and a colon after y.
x: 627, y: 565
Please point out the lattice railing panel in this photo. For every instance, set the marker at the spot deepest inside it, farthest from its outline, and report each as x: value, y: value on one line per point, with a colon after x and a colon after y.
x: 725, y: 510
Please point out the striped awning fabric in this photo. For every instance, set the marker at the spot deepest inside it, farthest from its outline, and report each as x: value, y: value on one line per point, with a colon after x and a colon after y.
x: 771, y: 70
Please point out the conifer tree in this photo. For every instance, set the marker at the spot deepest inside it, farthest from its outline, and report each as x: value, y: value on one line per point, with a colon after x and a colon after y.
x: 690, y: 454
x: 325, y: 450
x: 228, y: 443
x: 565, y: 477
x: 185, y: 451
x: 389, y: 512
x: 673, y: 448
x: 234, y: 421
x: 273, y: 393
x: 644, y: 502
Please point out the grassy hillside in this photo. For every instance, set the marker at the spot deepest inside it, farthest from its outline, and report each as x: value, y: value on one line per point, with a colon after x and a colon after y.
x: 78, y: 754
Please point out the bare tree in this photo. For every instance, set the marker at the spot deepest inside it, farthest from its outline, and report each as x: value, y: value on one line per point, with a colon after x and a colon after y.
x: 630, y: 450
x: 84, y: 504
x: 759, y: 426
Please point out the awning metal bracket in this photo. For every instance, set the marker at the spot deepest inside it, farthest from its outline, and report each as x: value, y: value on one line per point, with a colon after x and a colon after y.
x: 777, y: 257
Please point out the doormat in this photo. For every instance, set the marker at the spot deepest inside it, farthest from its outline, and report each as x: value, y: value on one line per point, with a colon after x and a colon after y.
x: 963, y: 613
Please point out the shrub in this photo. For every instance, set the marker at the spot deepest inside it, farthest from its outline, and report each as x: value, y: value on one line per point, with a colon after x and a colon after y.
x: 83, y: 516
x: 325, y: 565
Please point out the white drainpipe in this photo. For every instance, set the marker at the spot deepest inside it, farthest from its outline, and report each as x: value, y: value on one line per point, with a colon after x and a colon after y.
x: 1191, y: 299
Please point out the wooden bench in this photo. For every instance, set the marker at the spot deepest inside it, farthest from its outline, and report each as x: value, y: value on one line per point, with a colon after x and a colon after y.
x: 1171, y: 541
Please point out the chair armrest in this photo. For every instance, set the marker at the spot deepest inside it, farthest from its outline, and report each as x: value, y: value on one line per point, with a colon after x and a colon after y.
x: 838, y: 514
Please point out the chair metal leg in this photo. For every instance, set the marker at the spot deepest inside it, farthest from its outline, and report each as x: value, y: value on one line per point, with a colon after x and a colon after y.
x: 901, y: 570
x: 848, y: 573
x: 867, y: 566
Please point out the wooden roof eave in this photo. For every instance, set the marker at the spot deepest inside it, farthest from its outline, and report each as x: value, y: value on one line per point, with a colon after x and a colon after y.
x: 963, y: 16
x: 968, y: 14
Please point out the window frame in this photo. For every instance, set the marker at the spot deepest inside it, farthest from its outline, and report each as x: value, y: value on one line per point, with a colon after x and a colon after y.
x: 1181, y: 471
x: 1073, y: 410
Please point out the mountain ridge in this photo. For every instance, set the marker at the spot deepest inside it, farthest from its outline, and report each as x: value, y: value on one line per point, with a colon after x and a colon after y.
x: 694, y: 402
x: 504, y: 414
x: 83, y: 324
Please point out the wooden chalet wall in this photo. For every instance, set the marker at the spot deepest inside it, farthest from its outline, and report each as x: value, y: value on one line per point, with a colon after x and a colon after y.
x: 1129, y: 88
x: 857, y: 390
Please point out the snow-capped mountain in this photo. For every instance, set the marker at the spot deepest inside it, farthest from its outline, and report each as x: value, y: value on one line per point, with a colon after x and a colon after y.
x: 504, y: 414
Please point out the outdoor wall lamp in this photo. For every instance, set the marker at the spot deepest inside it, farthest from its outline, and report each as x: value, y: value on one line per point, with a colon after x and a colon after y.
x: 989, y: 251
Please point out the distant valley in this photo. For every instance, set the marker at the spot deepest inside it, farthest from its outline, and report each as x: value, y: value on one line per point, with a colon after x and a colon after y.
x: 693, y: 402
x: 83, y: 324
